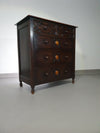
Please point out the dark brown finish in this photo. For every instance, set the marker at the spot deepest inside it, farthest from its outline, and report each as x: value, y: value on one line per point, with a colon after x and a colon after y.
x: 73, y: 81
x: 21, y: 84
x: 46, y: 51
x: 32, y: 90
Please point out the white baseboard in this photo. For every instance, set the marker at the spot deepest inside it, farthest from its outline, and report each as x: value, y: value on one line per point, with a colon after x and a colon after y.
x: 87, y: 72
x: 9, y: 75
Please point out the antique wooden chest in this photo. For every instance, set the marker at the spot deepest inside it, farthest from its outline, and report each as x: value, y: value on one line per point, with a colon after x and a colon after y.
x: 46, y: 51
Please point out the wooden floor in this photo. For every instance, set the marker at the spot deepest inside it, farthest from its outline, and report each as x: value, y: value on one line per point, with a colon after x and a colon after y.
x: 60, y: 107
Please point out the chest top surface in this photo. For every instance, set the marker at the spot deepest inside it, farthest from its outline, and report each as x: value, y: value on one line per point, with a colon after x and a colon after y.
x: 42, y: 19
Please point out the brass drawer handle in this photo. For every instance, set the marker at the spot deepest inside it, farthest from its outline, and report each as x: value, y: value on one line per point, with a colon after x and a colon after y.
x: 66, y: 31
x: 46, y: 57
x: 66, y: 71
x: 57, y: 57
x: 46, y: 41
x: 66, y: 43
x: 57, y: 43
x: 46, y: 74
x: 56, y: 72
x: 66, y: 57
x: 45, y: 27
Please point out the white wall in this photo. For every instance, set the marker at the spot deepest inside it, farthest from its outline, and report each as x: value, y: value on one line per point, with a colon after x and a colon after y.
x: 83, y: 13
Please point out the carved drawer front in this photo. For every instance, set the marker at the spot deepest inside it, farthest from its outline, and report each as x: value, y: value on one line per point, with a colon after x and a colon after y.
x: 67, y: 43
x: 63, y: 43
x: 51, y: 57
x: 44, y: 27
x: 65, y: 31
x: 43, y: 41
x: 66, y: 57
x: 67, y: 71
x: 44, y: 58
x: 62, y: 57
x: 53, y: 73
x: 52, y: 42
x: 47, y: 42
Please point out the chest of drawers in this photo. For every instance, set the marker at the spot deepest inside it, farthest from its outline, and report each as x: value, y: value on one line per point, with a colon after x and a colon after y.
x: 46, y: 51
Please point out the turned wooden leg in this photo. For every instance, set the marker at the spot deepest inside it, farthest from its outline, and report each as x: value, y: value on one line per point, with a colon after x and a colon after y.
x: 32, y: 89
x: 73, y: 81
x: 21, y: 84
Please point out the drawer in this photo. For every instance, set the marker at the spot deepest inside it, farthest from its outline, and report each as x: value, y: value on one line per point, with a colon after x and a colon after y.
x: 53, y: 73
x: 53, y: 29
x: 53, y: 57
x: 44, y: 57
x: 67, y: 57
x: 44, y: 27
x: 65, y: 31
x: 63, y: 43
x: 43, y: 41
x: 51, y: 42
x: 67, y: 43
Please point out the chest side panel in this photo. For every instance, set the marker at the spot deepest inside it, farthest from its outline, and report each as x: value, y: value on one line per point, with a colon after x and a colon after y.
x: 24, y: 50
